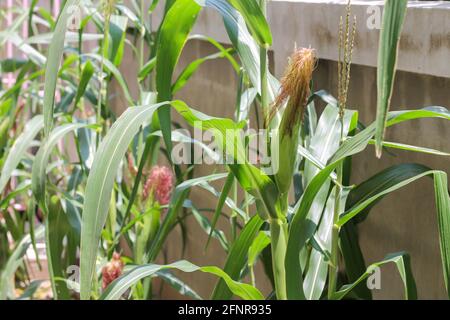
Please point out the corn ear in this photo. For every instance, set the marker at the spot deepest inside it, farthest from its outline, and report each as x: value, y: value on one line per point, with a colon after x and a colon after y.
x: 295, y: 88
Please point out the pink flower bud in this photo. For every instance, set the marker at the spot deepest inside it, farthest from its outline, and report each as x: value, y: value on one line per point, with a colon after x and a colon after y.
x: 159, y: 184
x: 112, y: 270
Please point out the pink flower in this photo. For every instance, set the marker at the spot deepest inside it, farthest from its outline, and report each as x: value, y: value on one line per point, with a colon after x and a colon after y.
x: 112, y: 270
x: 159, y: 184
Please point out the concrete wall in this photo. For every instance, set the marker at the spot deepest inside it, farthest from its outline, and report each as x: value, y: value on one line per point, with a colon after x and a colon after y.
x: 405, y: 220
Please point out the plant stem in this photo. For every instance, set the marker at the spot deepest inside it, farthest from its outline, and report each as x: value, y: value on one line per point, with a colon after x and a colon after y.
x: 142, y: 42
x: 264, y: 70
x: 334, y: 263
x: 105, y: 48
x: 278, y: 231
x: 264, y: 84
x: 278, y: 227
x: 233, y: 217
x: 141, y: 49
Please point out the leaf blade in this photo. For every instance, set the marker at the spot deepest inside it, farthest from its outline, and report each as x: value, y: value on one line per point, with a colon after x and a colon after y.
x: 393, y: 18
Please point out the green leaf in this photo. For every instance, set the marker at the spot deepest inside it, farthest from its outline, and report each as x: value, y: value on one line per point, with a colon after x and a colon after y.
x: 19, y: 148
x: 298, y: 234
x: 86, y: 75
x: 407, y: 147
x: 243, y: 42
x: 56, y: 229
x: 403, y: 264
x: 153, y: 6
x: 172, y: 37
x: 205, y: 225
x: 38, y: 175
x: 116, y: 73
x: 226, y: 52
x: 101, y: 179
x: 255, y: 20
x: 300, y: 226
x: 382, y: 190
x: 393, y: 18
x: 99, y: 187
x: 261, y: 241
x: 316, y: 277
x: 55, y: 52
x: 442, y: 206
x: 120, y: 285
x: 181, y: 287
x: 323, y: 144
x: 326, y: 139
x: 22, y: 187
x: 14, y: 261
x: 187, y: 73
x: 31, y: 290
x: 177, y: 200
x: 251, y: 178
x: 220, y: 203
x: 360, y: 141
x: 46, y: 38
x: 237, y: 258
x: 12, y: 64
x: 117, y: 31
x: 146, y: 69
x: 383, y: 180
x: 38, y: 58
x: 355, y: 264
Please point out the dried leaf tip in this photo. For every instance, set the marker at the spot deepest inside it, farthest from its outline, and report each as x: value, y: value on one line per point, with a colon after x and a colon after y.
x: 295, y: 87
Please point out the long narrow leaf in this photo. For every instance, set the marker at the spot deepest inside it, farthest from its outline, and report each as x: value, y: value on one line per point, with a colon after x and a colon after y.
x: 360, y: 141
x: 442, y: 207
x: 255, y: 20
x: 119, y: 286
x: 243, y: 42
x: 173, y: 34
x: 19, y: 148
x: 15, y: 259
x: 402, y: 261
x: 55, y: 53
x: 237, y: 258
x: 41, y: 160
x: 393, y: 17
x: 223, y: 196
x: 101, y: 179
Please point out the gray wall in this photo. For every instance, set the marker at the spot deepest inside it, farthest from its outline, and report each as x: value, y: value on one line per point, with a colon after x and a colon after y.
x: 405, y: 220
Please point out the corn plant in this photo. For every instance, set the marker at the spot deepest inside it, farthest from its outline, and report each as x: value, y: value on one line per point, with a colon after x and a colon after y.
x: 108, y: 204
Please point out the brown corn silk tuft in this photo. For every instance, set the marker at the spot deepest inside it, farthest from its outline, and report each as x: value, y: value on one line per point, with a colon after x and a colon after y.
x: 295, y: 87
